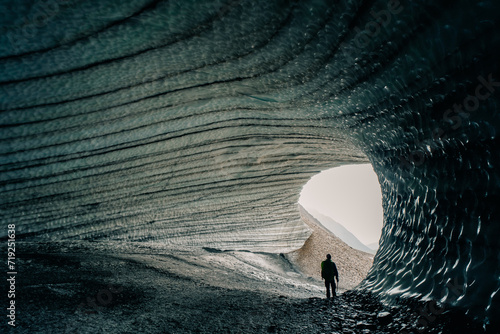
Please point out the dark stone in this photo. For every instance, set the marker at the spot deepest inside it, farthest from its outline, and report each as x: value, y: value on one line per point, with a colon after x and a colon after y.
x: 365, y: 325
x: 272, y: 329
x: 384, y: 318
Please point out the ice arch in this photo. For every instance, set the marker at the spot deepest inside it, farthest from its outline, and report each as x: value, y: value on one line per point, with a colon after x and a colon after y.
x: 198, y: 122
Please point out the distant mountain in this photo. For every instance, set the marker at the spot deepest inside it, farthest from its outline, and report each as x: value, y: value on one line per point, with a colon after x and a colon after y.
x: 373, y: 245
x: 341, y: 232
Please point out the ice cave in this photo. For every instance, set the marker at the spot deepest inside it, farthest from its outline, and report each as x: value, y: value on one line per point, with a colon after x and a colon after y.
x: 196, y: 123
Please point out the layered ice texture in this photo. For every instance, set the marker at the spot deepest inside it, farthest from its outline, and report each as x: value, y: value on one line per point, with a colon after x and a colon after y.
x: 196, y: 123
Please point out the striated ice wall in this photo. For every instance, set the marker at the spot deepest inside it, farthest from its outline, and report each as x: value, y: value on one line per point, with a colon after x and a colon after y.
x: 196, y: 123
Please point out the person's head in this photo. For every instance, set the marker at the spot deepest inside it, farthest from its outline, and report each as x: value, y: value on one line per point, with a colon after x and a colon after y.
x: 328, y: 256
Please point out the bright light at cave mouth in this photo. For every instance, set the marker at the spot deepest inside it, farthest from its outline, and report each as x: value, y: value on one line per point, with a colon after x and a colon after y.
x: 351, y: 196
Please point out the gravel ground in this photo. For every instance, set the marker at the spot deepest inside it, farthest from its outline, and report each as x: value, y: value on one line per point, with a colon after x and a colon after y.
x: 84, y: 287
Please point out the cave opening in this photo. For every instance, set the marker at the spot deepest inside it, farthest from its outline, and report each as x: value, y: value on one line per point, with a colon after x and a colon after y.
x: 347, y: 200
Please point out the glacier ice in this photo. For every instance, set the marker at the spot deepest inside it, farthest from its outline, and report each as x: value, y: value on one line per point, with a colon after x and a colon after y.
x: 196, y: 123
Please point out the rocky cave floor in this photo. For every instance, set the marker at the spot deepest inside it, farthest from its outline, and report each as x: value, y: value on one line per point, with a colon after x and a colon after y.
x: 85, y: 287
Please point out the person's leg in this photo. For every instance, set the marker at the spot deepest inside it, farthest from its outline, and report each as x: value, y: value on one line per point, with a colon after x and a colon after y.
x: 334, y: 288
x: 327, y: 285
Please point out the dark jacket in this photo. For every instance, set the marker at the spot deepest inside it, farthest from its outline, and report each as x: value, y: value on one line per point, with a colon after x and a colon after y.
x: 329, y: 270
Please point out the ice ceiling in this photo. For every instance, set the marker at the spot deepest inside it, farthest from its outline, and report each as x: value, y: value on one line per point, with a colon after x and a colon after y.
x: 198, y: 122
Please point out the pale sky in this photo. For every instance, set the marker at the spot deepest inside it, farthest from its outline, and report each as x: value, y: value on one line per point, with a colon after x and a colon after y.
x: 351, y: 196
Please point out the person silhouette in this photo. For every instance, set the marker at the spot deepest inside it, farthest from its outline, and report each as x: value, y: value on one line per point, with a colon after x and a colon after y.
x: 329, y: 273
